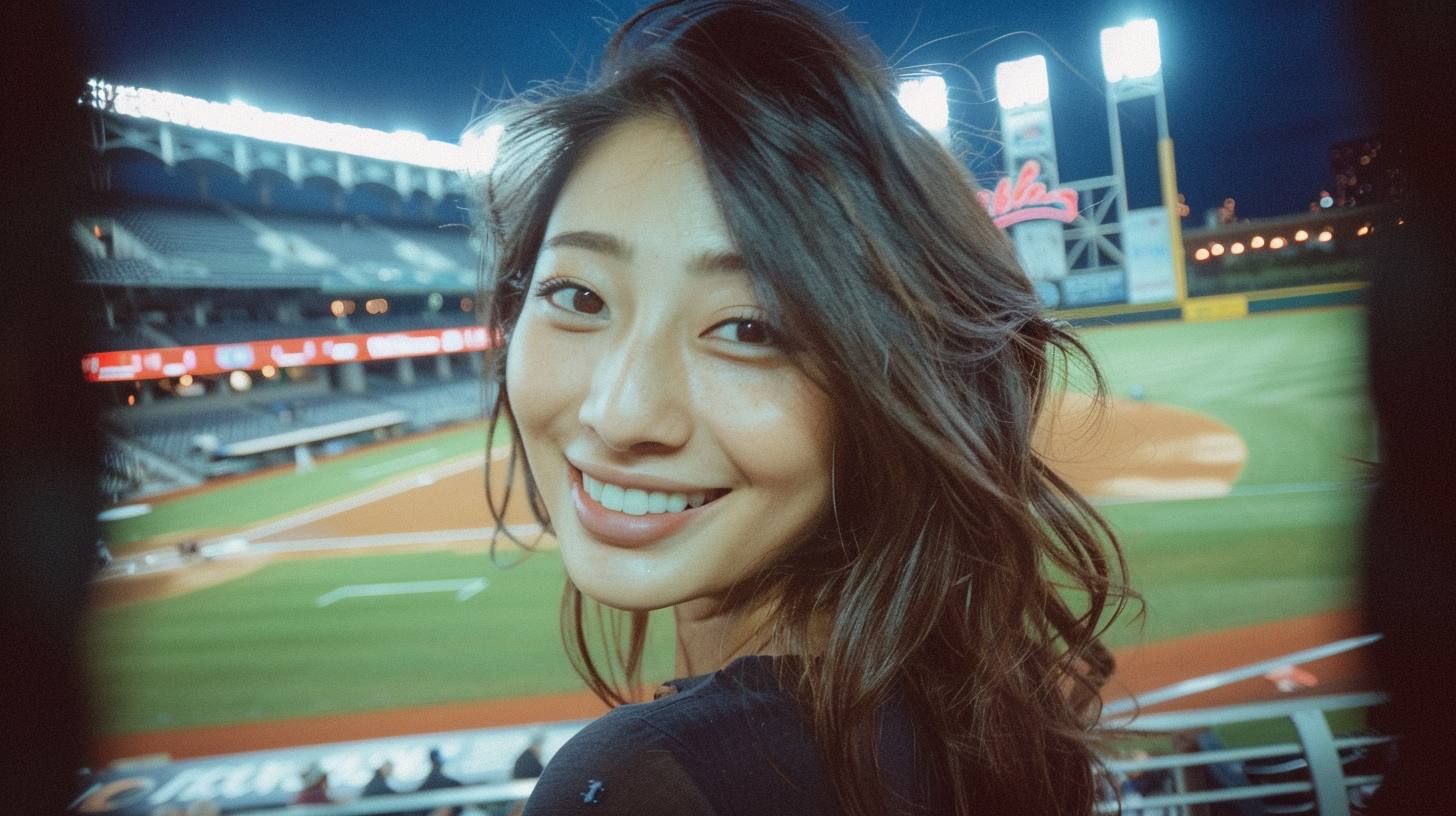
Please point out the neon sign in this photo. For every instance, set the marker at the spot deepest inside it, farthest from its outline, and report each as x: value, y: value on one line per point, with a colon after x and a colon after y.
x: 1028, y: 199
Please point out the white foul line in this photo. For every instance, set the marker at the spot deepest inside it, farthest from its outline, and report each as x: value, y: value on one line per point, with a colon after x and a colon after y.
x: 464, y: 588
x: 445, y: 469
x: 469, y: 534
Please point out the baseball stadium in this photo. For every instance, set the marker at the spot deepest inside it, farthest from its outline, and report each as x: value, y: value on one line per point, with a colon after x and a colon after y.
x: 298, y: 572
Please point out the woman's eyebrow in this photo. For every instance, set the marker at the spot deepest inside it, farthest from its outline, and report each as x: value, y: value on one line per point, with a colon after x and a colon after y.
x: 613, y: 247
x: 719, y: 261
x: 598, y: 242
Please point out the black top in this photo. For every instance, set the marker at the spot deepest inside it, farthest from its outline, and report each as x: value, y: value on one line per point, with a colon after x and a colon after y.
x: 732, y: 742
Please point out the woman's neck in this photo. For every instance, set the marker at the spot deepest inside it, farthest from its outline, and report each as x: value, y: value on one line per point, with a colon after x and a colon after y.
x: 710, y: 635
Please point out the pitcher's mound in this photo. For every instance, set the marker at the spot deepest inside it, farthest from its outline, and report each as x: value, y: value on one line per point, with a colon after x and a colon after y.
x: 1126, y: 449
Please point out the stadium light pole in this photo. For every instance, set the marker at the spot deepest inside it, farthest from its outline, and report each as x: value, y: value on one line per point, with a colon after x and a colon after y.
x: 1132, y: 63
x: 927, y: 101
x: 1023, y: 96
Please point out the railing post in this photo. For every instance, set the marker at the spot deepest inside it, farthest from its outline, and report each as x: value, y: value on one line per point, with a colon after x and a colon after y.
x: 1324, y: 762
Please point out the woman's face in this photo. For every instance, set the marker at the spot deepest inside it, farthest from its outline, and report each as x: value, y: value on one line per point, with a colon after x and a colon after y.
x: 677, y: 448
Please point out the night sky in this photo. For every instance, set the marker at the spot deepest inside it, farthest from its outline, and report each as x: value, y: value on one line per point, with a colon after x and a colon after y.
x: 1257, y: 92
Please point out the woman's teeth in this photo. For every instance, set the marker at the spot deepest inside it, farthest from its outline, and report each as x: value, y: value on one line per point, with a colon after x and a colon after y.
x: 635, y: 502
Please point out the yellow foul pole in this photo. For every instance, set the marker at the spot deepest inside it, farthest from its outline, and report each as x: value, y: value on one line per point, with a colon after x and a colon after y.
x: 1169, y: 177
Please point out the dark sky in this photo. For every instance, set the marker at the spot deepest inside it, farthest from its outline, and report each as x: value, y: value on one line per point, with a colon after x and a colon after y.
x: 1257, y: 91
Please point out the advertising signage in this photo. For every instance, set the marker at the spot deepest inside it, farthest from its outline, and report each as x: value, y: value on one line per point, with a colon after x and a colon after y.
x: 154, y: 364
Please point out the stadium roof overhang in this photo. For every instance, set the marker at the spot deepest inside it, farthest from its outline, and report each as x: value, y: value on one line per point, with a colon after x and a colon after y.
x: 246, y: 140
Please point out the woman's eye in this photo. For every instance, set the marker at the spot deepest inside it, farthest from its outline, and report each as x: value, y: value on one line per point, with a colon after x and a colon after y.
x: 752, y: 332
x: 575, y: 298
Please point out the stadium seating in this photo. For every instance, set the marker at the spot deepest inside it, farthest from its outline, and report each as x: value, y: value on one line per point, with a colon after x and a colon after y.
x: 189, y: 438
x: 432, y: 403
x: 259, y: 274
x: 191, y: 334
x: 119, y: 271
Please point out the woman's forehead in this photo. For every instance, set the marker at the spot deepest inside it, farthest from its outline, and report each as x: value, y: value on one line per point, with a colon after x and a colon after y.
x: 642, y: 188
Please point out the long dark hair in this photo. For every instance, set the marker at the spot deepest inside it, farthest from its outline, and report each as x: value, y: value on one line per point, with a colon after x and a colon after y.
x: 945, y: 570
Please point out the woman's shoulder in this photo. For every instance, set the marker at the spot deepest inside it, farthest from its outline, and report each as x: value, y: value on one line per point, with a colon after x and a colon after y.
x: 730, y: 742
x: 618, y: 763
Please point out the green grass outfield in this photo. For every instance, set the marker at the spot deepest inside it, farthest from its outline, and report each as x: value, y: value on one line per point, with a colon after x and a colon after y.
x: 1284, y: 544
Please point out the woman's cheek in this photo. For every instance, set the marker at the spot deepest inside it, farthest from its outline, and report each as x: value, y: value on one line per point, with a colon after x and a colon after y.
x: 539, y: 373
x: 774, y: 424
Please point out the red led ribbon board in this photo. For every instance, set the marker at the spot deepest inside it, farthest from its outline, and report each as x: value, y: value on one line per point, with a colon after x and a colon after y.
x: 155, y: 364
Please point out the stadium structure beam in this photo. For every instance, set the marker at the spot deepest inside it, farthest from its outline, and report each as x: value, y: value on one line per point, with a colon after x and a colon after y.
x: 177, y: 129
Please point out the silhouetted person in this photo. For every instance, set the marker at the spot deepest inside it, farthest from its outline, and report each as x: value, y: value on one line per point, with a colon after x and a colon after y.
x: 528, y: 764
x: 437, y: 780
x: 378, y: 784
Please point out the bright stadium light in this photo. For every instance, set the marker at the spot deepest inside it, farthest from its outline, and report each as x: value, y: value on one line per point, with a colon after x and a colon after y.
x: 1131, y: 51
x: 1022, y: 82
x: 480, y: 147
x: 926, y: 100
x: 241, y: 119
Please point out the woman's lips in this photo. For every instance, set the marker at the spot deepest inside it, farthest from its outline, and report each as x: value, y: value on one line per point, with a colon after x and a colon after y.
x: 622, y: 529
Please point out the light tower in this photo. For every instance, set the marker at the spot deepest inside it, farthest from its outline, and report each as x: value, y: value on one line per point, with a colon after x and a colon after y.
x: 927, y: 101
x: 1029, y: 151
x: 1152, y: 238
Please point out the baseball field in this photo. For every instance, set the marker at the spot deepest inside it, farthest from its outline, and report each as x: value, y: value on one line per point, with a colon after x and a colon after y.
x: 362, y: 597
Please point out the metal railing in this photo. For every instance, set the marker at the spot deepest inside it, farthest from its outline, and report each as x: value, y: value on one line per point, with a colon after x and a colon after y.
x: 1318, y: 753
x: 424, y: 801
x: 1319, y: 771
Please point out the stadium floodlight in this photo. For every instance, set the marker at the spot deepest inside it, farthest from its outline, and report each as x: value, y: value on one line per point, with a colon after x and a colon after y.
x: 1022, y: 82
x: 926, y: 100
x: 241, y: 119
x: 1131, y: 51
x: 480, y: 147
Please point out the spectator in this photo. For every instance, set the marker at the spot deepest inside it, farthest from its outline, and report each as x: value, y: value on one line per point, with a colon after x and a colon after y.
x: 1226, y: 213
x: 379, y: 783
x: 315, y: 787
x: 528, y: 764
x: 437, y: 780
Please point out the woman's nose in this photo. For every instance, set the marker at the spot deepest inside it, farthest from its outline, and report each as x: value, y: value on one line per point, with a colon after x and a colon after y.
x: 639, y: 398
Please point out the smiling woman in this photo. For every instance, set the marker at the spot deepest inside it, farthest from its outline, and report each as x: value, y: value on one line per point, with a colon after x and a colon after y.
x: 677, y: 449
x: 769, y: 365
